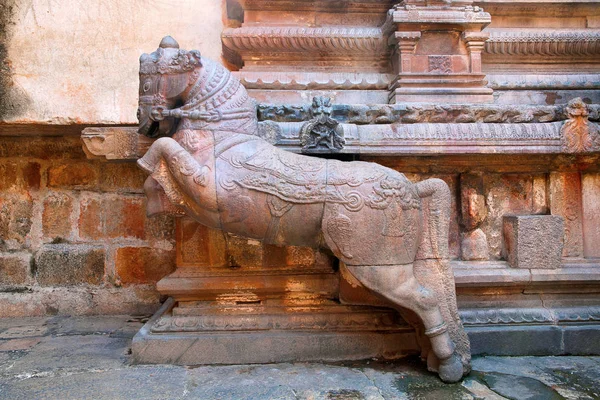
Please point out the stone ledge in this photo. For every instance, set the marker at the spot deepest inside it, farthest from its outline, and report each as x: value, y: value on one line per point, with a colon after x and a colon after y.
x: 538, y: 340
x: 499, y: 273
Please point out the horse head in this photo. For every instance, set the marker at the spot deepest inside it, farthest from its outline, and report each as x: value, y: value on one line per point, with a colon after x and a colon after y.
x: 166, y: 77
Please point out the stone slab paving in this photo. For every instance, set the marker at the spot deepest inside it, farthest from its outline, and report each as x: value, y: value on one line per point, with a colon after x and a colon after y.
x: 88, y: 358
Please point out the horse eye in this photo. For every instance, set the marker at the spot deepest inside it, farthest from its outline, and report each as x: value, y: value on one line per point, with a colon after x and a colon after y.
x: 146, y: 86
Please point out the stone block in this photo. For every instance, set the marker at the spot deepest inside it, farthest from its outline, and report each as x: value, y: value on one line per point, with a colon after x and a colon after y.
x: 565, y: 200
x: 525, y: 340
x: 90, y: 219
x: 124, y: 217
x: 200, y: 246
x: 14, y: 268
x: 65, y: 265
x: 590, y: 187
x: 112, y: 217
x: 32, y: 175
x: 56, y: 217
x: 506, y: 194
x: 474, y: 246
x: 73, y: 176
x: 122, y: 177
x: 582, y: 340
x: 473, y: 208
x: 8, y: 176
x: 533, y: 241
x: 143, y: 264
x: 16, y: 212
x: 160, y: 227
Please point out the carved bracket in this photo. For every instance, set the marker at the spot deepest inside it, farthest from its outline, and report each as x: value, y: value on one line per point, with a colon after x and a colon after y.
x: 114, y: 143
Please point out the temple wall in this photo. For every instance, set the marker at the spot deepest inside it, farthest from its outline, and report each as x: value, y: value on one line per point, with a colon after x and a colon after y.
x: 77, y: 63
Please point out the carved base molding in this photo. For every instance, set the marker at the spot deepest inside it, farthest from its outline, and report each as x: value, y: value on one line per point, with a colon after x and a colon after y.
x: 239, y: 339
x: 244, y: 339
x: 530, y: 316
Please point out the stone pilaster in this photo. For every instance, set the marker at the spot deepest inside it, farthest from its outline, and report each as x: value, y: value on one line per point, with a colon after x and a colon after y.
x: 440, y: 48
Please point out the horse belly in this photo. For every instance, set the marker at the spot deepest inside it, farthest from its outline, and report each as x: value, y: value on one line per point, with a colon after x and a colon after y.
x: 372, y: 215
x: 258, y: 215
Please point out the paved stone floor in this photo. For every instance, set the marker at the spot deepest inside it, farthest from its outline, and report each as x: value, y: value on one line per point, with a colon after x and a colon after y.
x: 88, y: 358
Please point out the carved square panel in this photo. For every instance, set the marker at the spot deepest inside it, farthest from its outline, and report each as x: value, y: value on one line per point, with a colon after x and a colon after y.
x: 440, y: 64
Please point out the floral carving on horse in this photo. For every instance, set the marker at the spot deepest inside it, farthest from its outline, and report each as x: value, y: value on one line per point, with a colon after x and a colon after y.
x: 210, y: 164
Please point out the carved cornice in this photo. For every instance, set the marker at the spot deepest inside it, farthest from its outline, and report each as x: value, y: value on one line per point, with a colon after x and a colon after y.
x: 584, y: 42
x: 367, y: 6
x: 313, y: 80
x: 338, y: 40
x: 562, y: 81
x: 404, y: 129
x: 415, y: 15
x: 427, y: 138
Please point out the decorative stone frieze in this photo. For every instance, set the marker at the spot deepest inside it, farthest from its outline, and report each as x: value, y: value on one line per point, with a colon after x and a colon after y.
x: 514, y: 316
x: 544, y: 42
x: 286, y: 41
x: 363, y: 114
x: 313, y: 80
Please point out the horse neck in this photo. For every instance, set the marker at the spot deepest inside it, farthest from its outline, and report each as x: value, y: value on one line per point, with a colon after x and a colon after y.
x: 211, y: 80
x: 218, y: 92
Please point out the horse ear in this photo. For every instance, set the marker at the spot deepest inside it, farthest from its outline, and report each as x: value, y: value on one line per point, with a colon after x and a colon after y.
x: 195, y: 57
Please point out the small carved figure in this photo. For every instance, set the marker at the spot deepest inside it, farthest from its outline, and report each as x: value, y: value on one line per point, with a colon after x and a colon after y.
x: 209, y: 163
x: 322, y: 132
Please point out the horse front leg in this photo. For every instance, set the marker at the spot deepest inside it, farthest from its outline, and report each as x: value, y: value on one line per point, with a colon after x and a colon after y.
x: 187, y: 182
x: 397, y: 284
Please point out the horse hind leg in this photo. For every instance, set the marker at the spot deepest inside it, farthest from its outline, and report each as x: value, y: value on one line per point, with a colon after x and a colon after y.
x: 397, y: 284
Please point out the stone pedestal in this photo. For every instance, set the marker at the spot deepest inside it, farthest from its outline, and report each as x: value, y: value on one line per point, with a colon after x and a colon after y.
x: 235, y: 300
x: 438, y: 53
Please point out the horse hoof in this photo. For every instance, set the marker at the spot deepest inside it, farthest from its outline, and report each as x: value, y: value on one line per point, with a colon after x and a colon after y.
x: 451, y: 369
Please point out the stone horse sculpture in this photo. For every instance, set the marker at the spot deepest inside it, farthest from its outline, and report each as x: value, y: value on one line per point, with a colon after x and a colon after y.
x: 209, y: 163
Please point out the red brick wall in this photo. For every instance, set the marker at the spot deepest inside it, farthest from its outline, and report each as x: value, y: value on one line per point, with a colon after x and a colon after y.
x: 74, y: 238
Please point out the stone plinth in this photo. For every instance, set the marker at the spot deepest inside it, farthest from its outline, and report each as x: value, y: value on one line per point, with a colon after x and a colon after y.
x: 533, y: 241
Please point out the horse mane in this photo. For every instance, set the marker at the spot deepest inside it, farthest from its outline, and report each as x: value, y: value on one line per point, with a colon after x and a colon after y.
x: 218, y: 101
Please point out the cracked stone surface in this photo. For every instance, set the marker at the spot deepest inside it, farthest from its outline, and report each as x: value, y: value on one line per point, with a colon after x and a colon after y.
x: 88, y: 357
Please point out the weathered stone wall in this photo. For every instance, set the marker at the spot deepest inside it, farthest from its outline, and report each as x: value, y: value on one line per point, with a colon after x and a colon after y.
x: 77, y: 62
x: 74, y: 235
x: 74, y: 238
